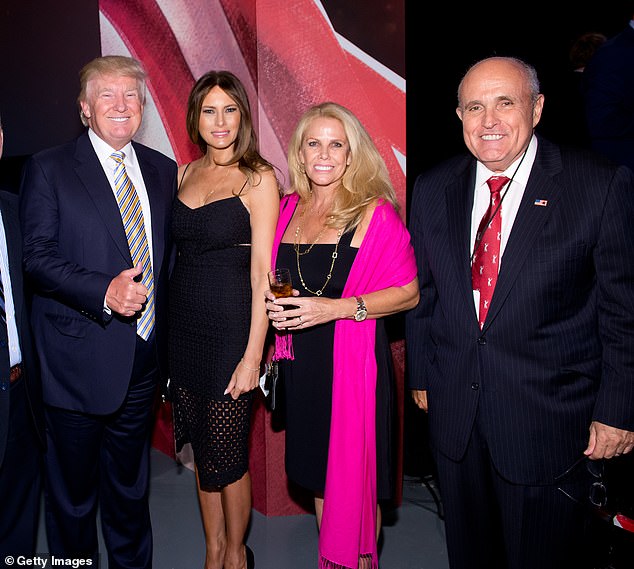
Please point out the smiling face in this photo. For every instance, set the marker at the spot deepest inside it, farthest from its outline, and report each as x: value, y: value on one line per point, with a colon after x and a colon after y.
x: 219, y: 121
x: 497, y: 112
x: 113, y: 108
x: 325, y: 152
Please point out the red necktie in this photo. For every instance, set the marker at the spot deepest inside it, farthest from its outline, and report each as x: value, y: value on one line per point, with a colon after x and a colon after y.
x: 486, y: 256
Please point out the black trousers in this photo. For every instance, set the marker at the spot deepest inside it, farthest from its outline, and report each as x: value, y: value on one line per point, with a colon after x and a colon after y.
x: 103, y: 461
x: 20, y: 480
x: 492, y: 523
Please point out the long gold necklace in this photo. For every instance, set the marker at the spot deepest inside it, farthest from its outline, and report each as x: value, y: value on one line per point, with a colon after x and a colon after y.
x: 298, y: 231
x: 298, y: 254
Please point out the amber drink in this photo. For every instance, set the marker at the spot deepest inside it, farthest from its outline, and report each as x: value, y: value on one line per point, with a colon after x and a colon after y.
x: 280, y: 284
x: 282, y: 290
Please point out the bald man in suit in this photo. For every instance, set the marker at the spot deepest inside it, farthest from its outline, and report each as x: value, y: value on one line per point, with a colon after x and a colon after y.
x: 527, y: 375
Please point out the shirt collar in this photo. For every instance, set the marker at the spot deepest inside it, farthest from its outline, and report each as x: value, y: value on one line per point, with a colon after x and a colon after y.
x: 104, y: 150
x: 520, y: 176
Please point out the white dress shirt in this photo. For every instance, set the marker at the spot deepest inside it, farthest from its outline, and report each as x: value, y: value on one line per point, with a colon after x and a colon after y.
x: 512, y: 194
x: 15, y: 355
x: 133, y: 169
x: 103, y: 151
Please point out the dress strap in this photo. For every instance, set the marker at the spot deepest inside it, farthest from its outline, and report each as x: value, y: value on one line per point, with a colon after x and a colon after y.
x: 183, y: 177
x: 346, y: 238
x: 243, y: 185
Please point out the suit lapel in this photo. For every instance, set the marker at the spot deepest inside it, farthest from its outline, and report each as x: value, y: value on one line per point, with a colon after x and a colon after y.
x: 528, y: 223
x: 459, y: 196
x: 152, y: 180
x: 92, y: 176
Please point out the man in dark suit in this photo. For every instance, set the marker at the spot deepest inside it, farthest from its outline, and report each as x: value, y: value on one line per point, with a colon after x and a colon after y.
x: 98, y: 315
x: 523, y: 359
x: 608, y: 90
x: 21, y: 412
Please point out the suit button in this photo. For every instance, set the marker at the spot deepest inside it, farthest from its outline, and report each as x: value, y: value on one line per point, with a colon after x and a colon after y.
x: 482, y: 341
x: 475, y: 386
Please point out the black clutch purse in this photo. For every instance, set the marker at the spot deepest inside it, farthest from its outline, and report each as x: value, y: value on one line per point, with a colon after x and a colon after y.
x: 269, y: 384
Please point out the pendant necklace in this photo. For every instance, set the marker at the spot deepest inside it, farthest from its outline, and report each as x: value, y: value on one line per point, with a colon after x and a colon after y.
x: 213, y: 191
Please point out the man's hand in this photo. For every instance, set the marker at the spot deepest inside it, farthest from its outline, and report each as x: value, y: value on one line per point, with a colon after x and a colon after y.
x: 608, y: 442
x: 420, y: 398
x: 125, y: 296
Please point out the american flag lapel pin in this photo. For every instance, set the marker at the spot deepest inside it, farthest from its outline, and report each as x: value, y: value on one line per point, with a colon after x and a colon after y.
x: 542, y: 203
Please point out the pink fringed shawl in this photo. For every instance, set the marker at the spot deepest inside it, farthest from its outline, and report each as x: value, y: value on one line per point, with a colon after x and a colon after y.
x: 348, y: 527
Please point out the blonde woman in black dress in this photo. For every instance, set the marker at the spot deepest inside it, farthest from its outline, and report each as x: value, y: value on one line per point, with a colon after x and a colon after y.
x: 223, y: 224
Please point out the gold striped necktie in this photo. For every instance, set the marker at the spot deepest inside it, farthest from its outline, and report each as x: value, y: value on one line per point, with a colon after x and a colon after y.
x: 132, y: 217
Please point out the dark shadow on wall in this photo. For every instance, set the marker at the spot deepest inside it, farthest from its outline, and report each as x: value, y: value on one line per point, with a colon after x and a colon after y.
x: 43, y: 47
x: 11, y: 173
x: 378, y: 29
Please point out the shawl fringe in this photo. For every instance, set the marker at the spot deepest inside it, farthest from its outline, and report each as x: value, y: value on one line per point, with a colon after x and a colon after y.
x: 283, y: 346
x: 366, y: 562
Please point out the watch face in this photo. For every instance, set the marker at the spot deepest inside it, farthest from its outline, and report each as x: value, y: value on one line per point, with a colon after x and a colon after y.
x: 360, y: 315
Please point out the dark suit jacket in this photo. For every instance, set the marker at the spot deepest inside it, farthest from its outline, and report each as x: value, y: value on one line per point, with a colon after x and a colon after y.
x: 608, y: 86
x: 557, y: 348
x: 31, y: 376
x: 74, y: 245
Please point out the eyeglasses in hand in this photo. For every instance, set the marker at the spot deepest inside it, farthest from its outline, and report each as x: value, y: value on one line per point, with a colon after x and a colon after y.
x: 597, y: 493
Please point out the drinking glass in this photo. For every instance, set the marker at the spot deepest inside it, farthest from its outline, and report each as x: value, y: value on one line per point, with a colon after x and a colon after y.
x: 280, y: 283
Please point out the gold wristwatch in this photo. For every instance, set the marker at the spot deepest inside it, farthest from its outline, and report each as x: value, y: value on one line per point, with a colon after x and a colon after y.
x: 362, y: 312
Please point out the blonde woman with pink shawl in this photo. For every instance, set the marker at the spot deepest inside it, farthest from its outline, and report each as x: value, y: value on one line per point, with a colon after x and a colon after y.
x: 352, y: 265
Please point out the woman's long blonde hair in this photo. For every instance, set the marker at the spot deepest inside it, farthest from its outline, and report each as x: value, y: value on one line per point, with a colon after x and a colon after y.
x: 366, y: 178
